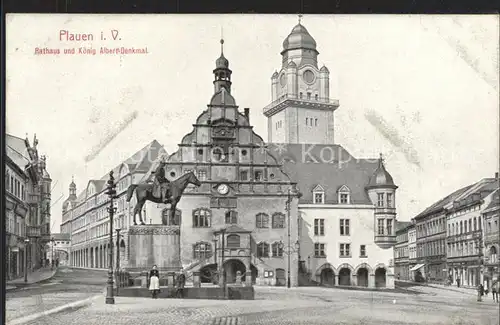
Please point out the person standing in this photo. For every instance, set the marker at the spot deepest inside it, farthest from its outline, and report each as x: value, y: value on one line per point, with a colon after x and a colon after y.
x: 154, y: 282
x: 181, y: 282
x: 480, y: 292
x: 494, y: 290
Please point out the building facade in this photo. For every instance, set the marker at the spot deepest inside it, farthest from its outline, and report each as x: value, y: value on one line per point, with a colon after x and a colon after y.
x: 85, y: 216
x: 491, y: 216
x: 465, y: 233
x: 401, y: 252
x: 412, y: 250
x: 28, y: 187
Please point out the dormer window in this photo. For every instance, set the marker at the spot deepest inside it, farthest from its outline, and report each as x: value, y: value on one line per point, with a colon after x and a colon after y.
x: 344, y: 195
x: 318, y: 195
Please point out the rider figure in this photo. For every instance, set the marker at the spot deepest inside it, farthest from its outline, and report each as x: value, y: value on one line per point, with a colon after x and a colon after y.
x: 161, y: 181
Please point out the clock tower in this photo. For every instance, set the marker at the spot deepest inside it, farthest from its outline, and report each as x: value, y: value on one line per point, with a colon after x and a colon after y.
x: 301, y: 110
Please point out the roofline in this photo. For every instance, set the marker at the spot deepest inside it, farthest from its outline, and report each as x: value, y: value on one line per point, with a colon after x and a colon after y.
x: 371, y: 187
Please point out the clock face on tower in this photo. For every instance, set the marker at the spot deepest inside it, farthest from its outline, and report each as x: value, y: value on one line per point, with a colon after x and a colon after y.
x: 308, y: 76
x: 283, y: 80
x: 223, y: 189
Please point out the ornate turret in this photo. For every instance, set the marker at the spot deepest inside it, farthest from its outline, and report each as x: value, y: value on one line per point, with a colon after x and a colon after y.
x: 222, y: 73
x: 71, y: 198
x: 300, y: 46
x: 382, y: 192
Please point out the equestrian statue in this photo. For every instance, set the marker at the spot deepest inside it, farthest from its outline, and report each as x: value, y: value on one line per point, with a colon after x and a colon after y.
x: 160, y: 191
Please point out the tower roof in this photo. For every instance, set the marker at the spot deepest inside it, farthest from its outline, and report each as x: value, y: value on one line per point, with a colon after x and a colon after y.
x: 381, y: 177
x: 222, y: 62
x: 72, y: 184
x: 299, y: 38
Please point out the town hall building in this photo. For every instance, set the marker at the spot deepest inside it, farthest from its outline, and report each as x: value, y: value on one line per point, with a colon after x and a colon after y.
x: 296, y: 208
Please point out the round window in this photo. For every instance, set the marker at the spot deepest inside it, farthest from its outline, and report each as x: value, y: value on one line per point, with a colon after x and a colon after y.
x: 200, y: 151
x: 244, y: 152
x: 271, y: 175
x: 308, y: 76
x: 172, y: 173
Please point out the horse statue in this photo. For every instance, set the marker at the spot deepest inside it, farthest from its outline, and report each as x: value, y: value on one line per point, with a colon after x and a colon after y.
x: 144, y: 192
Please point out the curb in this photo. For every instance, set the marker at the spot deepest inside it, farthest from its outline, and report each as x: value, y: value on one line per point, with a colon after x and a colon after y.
x: 23, y: 285
x: 73, y: 305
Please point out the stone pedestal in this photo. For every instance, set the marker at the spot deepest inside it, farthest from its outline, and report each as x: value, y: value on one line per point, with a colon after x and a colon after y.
x: 154, y: 245
x: 196, y: 280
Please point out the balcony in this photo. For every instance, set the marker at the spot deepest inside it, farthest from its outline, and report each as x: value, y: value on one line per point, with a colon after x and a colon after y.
x: 385, y: 241
x: 32, y: 198
x: 311, y: 101
x: 33, y: 231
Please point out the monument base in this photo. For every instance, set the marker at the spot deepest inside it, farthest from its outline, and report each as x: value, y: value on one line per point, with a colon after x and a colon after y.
x: 216, y: 293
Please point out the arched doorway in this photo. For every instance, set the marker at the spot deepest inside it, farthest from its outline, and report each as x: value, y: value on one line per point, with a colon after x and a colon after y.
x: 345, y: 277
x: 208, y: 273
x: 362, y: 276
x: 327, y: 277
x: 280, y: 278
x: 92, y: 257
x: 122, y: 251
x: 255, y: 273
x: 231, y: 267
x: 380, y: 278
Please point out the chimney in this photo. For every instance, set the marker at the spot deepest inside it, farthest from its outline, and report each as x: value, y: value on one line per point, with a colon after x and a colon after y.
x: 247, y: 114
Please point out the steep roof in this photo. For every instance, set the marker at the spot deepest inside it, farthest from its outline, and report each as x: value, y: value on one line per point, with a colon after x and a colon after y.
x: 330, y: 166
x: 141, y: 161
x: 402, y: 225
x: 16, y: 150
x: 441, y: 203
x: 494, y: 203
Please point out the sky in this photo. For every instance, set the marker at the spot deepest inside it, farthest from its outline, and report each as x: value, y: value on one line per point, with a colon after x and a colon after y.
x: 422, y: 90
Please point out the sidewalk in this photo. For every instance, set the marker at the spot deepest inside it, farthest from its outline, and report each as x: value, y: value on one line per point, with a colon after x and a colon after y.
x: 39, y: 275
x: 464, y: 290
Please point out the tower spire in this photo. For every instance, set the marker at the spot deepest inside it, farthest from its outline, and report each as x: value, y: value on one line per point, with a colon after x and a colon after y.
x: 222, y: 40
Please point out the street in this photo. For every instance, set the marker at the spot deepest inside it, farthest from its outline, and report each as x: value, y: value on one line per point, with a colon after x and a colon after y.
x: 68, y: 285
x: 273, y: 305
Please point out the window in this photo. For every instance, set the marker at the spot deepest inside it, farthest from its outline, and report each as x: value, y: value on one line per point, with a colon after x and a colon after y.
x: 380, y: 226
x: 475, y: 224
x: 380, y: 201
x: 345, y: 250
x: 319, y: 227
x: 316, y: 96
x: 307, y: 120
x: 202, y: 175
x: 258, y: 175
x: 344, y: 227
x: 244, y: 175
x: 344, y: 198
x: 202, y: 250
x: 470, y: 225
x: 277, y: 250
x: 315, y: 122
x: 263, y: 250
x: 278, y: 220
x: 318, y: 197
x: 262, y: 220
x: 231, y: 217
x: 300, y: 95
x: 362, y: 251
x: 389, y: 227
x: 233, y: 241
x: 389, y: 200
x: 319, y: 250
x: 201, y: 218
x: 461, y: 228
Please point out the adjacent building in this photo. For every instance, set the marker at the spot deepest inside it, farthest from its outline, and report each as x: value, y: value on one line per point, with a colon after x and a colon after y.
x: 58, y: 248
x: 401, y: 251
x: 430, y: 227
x: 85, y: 216
x: 28, y: 187
x: 491, y: 216
x: 412, y: 250
x: 465, y: 254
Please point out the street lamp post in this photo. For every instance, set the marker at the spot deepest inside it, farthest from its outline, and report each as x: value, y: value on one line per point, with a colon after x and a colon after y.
x: 52, y: 240
x: 111, y: 192
x: 117, y: 257
x: 289, y: 250
x: 26, y: 243
x: 288, y: 208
